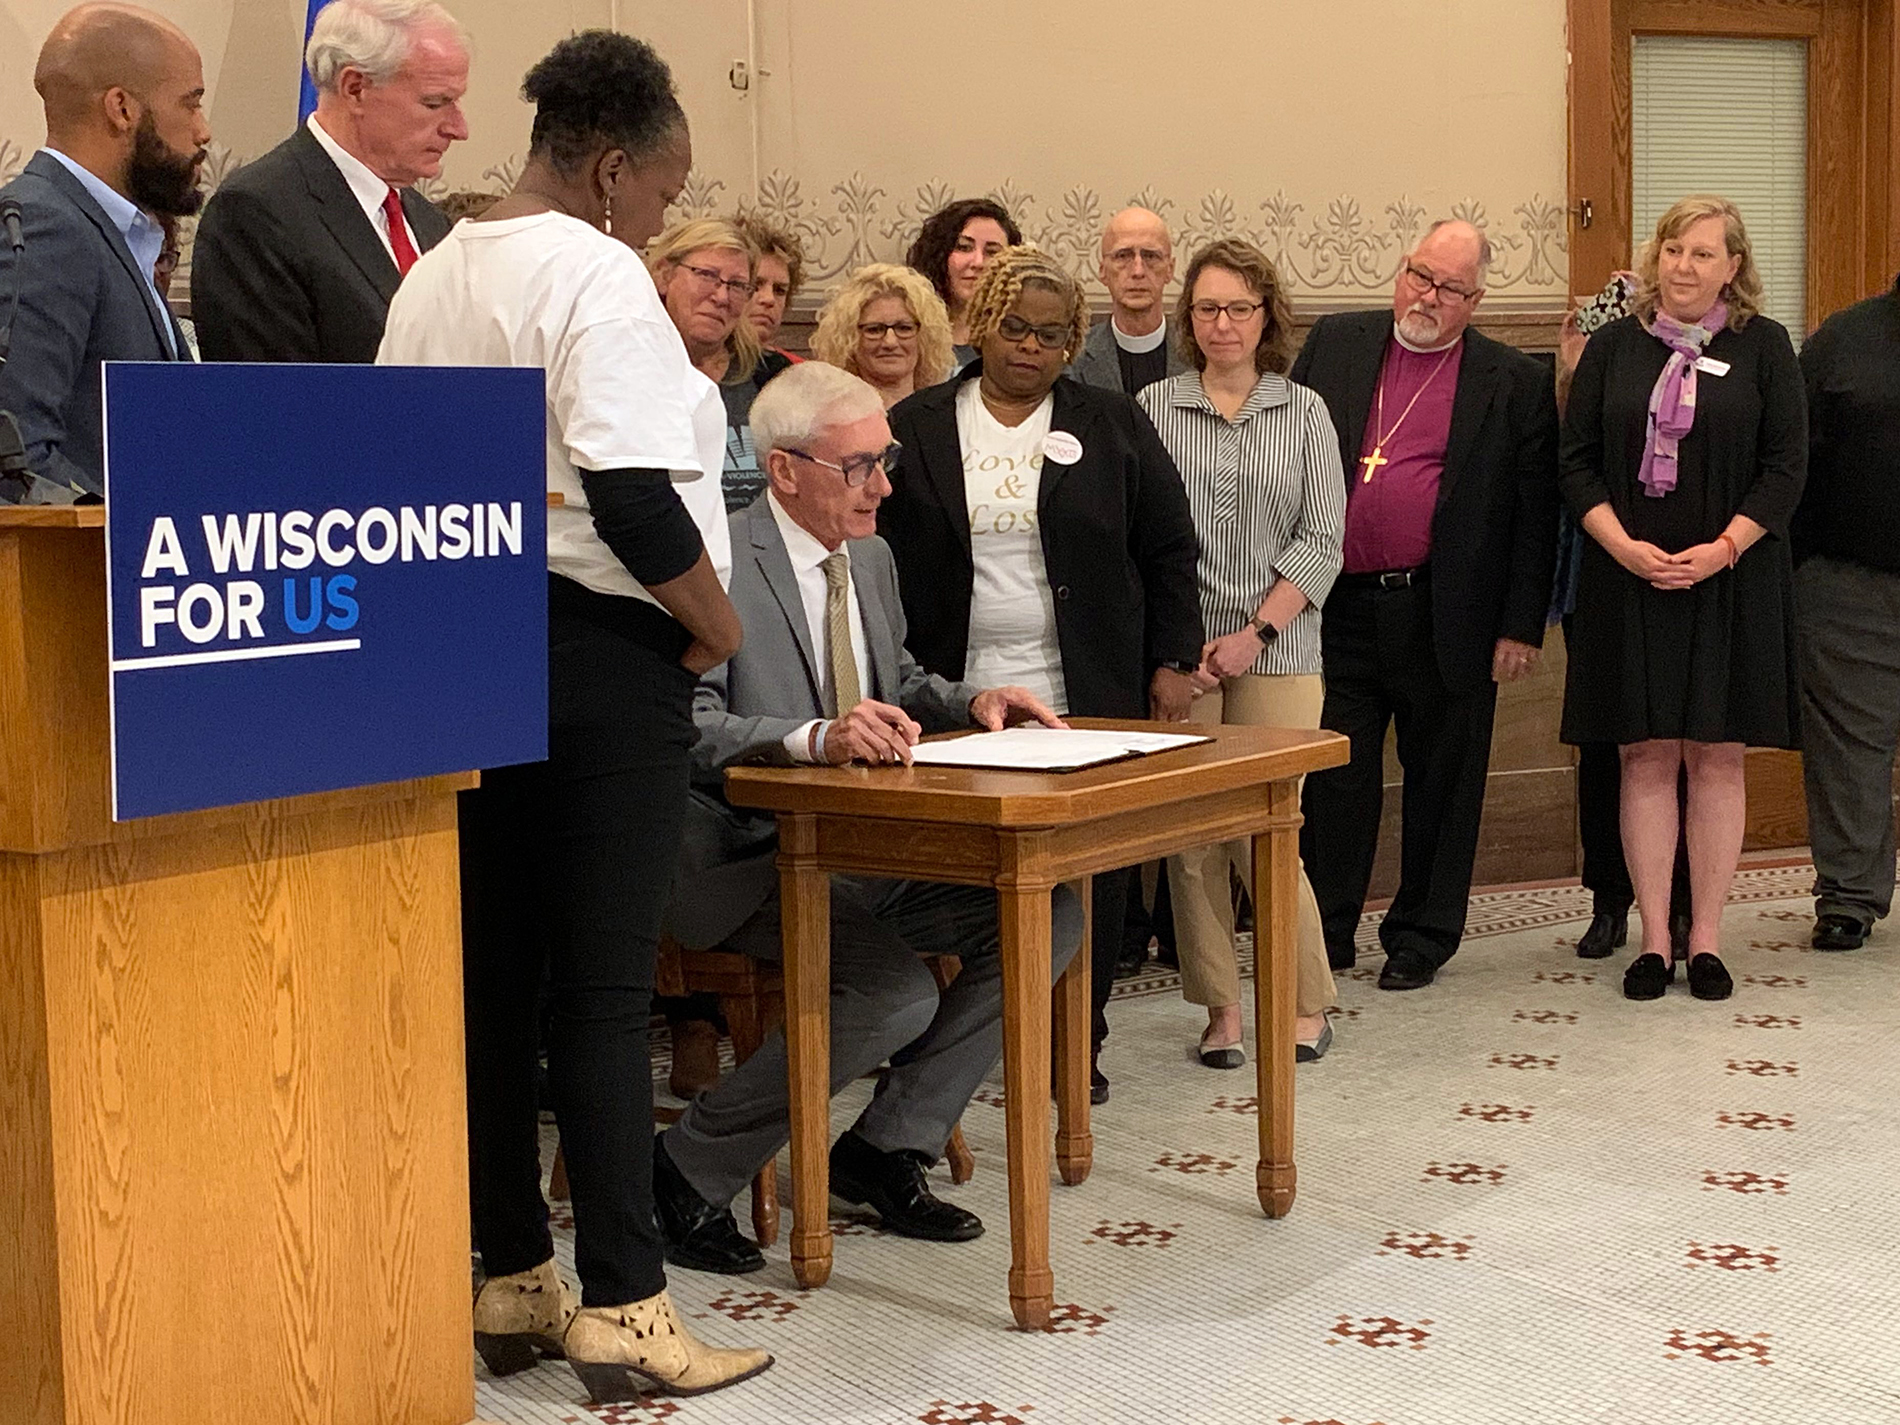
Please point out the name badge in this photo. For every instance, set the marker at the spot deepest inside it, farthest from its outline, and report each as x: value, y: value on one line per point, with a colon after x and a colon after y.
x: 1061, y: 447
x: 1711, y: 365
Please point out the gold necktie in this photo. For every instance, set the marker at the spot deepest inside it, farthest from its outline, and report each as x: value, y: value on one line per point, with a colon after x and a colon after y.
x: 844, y: 665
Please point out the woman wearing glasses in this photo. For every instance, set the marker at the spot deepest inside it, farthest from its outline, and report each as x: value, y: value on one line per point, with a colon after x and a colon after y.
x: 705, y: 270
x: 886, y: 325
x: 1042, y: 535
x: 1262, y: 468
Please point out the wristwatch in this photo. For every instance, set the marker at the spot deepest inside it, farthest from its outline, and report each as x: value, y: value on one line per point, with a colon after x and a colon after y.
x: 1262, y: 630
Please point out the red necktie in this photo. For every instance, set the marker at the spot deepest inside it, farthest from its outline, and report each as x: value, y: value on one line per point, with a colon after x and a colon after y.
x: 398, y: 233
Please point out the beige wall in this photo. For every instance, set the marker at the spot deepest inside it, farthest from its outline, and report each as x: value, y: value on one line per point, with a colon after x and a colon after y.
x: 1298, y: 124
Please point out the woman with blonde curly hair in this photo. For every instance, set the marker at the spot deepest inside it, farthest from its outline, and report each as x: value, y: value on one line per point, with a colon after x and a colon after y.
x: 1042, y: 535
x: 889, y: 326
x: 705, y: 269
x: 1684, y: 453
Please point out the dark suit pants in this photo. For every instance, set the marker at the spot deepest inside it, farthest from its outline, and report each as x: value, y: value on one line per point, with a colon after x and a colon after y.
x: 884, y: 1006
x: 1848, y: 639
x: 1380, y: 669
x: 566, y: 867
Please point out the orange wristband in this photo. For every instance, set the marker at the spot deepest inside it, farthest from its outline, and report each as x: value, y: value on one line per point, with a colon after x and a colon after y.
x: 1733, y: 553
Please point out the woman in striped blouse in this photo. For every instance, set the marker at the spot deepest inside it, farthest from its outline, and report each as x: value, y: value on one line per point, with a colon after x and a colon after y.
x: 1261, y: 462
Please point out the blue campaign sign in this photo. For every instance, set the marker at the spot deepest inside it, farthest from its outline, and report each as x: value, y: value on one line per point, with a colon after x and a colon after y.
x: 321, y: 577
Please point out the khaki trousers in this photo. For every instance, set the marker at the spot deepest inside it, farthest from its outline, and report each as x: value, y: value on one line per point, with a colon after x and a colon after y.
x: 1203, y: 902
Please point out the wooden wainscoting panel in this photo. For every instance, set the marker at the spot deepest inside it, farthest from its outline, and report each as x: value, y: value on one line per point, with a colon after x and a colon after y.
x: 1529, y: 831
x: 1530, y: 712
x: 260, y: 1142
x: 1777, y: 805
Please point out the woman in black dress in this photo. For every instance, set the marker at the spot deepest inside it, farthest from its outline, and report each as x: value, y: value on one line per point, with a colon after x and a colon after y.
x: 1685, y: 448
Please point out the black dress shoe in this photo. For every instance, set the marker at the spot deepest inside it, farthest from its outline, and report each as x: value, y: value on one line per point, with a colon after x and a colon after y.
x: 1402, y: 972
x: 1709, y: 977
x: 1607, y: 933
x: 1647, y: 977
x: 1098, y: 1085
x: 1342, y: 959
x: 697, y: 1234
x: 1839, y: 932
x: 894, y: 1186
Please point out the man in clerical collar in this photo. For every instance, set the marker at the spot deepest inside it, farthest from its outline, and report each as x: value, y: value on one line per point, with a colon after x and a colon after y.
x: 1449, y: 442
x: 1131, y: 349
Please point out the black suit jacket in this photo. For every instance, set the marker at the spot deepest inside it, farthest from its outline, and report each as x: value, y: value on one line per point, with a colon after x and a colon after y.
x: 1494, y: 530
x: 287, y: 267
x: 83, y: 301
x: 1117, y: 536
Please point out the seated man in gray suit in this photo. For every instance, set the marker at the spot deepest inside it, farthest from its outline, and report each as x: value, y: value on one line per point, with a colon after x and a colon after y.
x: 1131, y: 349
x: 125, y: 142
x: 824, y: 677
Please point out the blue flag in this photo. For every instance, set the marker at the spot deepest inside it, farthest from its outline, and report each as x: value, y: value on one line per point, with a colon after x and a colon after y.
x: 307, y: 97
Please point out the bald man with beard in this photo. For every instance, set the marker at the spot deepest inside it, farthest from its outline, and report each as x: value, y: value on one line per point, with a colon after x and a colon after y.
x: 1131, y: 349
x: 123, y: 90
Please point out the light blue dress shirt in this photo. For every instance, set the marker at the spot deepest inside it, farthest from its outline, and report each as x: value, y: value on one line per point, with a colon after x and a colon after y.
x: 143, y: 236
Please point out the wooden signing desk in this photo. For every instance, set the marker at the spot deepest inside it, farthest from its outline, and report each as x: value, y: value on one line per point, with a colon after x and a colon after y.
x: 233, y: 1152
x: 1025, y: 833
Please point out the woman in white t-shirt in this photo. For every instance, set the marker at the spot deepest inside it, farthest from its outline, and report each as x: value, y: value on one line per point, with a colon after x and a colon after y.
x: 1042, y: 534
x: 567, y: 864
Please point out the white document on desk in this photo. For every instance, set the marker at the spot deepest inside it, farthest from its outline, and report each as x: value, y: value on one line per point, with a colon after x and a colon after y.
x: 1047, y: 749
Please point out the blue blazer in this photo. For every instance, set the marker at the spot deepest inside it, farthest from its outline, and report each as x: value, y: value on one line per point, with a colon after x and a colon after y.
x: 82, y: 301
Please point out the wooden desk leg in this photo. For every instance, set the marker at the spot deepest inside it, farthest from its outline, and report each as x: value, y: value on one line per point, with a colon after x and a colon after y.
x: 1276, y: 888
x: 1023, y: 906
x: 1075, y: 1144
x: 805, y: 895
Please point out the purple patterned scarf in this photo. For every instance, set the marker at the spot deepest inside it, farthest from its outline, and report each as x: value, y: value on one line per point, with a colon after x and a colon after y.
x: 1672, y: 401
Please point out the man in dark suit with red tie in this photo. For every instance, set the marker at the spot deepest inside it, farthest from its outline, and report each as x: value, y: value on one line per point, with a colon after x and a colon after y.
x: 1449, y: 441
x: 300, y: 252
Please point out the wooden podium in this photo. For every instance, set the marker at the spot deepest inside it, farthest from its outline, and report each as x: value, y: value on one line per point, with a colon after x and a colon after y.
x: 233, y: 1153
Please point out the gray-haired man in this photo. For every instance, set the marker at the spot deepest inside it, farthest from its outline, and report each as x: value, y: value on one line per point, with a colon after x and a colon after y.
x: 300, y: 252
x: 823, y: 676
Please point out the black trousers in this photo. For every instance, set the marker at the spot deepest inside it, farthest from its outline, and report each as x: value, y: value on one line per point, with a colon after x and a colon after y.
x: 1108, y: 906
x: 1381, y: 669
x: 566, y: 869
x: 1600, y: 828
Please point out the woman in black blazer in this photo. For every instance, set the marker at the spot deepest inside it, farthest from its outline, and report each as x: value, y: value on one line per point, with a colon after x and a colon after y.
x: 1042, y: 533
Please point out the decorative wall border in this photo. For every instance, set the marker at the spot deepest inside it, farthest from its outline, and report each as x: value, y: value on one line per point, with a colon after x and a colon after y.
x: 1341, y: 246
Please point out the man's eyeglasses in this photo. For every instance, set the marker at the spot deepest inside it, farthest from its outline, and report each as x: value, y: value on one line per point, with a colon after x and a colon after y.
x: 1052, y: 338
x: 877, y: 331
x: 740, y: 291
x: 1425, y: 282
x: 856, y: 469
x: 1125, y: 256
x: 1237, y: 312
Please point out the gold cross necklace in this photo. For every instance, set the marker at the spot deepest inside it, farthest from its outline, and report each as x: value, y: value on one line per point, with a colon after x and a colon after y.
x: 1378, y: 457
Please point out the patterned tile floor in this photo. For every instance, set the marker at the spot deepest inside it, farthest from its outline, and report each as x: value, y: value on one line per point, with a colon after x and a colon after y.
x: 1522, y: 1200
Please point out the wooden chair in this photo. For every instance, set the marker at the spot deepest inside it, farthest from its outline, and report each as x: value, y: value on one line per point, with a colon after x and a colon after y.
x: 751, y: 996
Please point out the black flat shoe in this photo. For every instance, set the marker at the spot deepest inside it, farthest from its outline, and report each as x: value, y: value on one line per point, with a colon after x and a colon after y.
x: 894, y: 1186
x: 1709, y: 977
x: 1342, y: 959
x: 1839, y: 932
x: 1405, y: 973
x: 1647, y: 977
x: 697, y: 1234
x: 1607, y: 933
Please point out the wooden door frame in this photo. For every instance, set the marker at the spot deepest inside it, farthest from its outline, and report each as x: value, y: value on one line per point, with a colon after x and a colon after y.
x: 1853, y: 60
